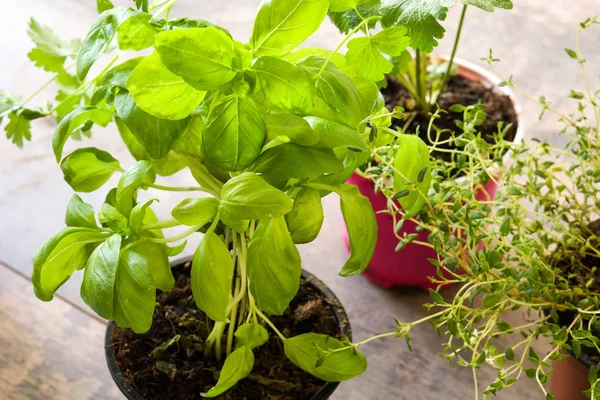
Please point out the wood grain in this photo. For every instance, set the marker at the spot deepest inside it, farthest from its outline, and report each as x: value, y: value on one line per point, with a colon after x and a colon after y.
x: 49, y: 351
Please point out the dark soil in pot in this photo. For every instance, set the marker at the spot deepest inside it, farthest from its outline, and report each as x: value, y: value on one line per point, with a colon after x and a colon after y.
x: 460, y: 90
x: 181, y: 372
x: 571, y: 263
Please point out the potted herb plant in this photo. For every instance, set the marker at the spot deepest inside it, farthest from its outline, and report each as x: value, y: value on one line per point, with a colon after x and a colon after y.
x: 266, y: 131
x: 533, y: 248
x: 419, y: 84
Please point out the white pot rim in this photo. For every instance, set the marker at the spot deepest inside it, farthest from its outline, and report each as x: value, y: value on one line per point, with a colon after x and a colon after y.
x: 492, y: 80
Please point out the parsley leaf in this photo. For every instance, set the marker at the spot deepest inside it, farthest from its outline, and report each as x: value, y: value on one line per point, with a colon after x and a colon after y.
x: 18, y: 129
x: 50, y: 52
x: 365, y: 53
x: 421, y: 18
x: 488, y: 5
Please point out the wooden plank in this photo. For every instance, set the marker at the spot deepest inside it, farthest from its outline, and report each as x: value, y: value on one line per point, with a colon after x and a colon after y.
x: 49, y: 350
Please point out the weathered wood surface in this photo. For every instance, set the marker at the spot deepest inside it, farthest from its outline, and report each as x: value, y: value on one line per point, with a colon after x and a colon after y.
x: 33, y: 197
x: 48, y: 351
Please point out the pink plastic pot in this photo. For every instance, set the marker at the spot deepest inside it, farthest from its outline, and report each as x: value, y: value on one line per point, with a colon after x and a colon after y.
x: 410, y: 267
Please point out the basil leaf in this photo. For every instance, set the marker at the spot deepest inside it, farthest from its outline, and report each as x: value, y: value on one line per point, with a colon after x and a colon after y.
x: 161, y: 93
x: 282, y: 86
x: 332, y: 135
x: 118, y: 75
x: 135, y: 293
x: 110, y: 217
x: 237, y: 366
x: 234, y: 134
x: 351, y: 160
x: 239, y: 225
x: 191, y: 140
x: 157, y: 135
x: 361, y: 224
x: 80, y: 214
x: 61, y: 255
x: 251, y: 335
x: 274, y: 266
x: 103, y: 5
x: 76, y: 119
x: 211, y: 275
x: 411, y: 158
x: 158, y: 263
x: 192, y: 212
x: 306, y: 218
x: 281, y: 25
x: 338, y: 91
x: 129, y: 183
x: 291, y: 126
x: 248, y: 196
x: 307, y: 351
x: 136, y: 218
x: 99, y: 37
x: 203, y: 57
x: 98, y: 286
x: 168, y: 165
x: 136, y: 33
x: 87, y: 169
x: 282, y: 163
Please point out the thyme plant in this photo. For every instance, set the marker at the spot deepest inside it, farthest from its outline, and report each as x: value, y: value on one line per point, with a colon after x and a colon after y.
x: 534, y: 246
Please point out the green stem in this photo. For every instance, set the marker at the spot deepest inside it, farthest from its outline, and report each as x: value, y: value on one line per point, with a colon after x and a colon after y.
x: 452, y: 55
x: 177, y: 188
x: 181, y: 236
x: 260, y: 314
x: 168, y: 223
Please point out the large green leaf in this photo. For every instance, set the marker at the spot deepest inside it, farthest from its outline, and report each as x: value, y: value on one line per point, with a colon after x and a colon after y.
x: 197, y: 211
x: 281, y: 25
x: 274, y: 266
x: 248, y: 196
x: 282, y: 163
x: 282, y: 86
x: 128, y: 185
x: 306, y: 217
x: 351, y: 160
x: 99, y: 37
x: 365, y: 53
x: 212, y: 273
x: 203, y: 57
x: 338, y: 92
x: 158, y: 263
x: 160, y: 92
x: 136, y: 33
x: 308, y: 351
x: 60, y: 256
x: 119, y: 286
x: 412, y: 160
x: 80, y: 213
x: 238, y: 365
x: 361, y: 224
x: 100, y: 276
x: 333, y: 135
x: 76, y: 119
x: 420, y: 17
x: 87, y: 169
x: 135, y: 293
x: 290, y: 126
x: 157, y: 135
x: 234, y: 134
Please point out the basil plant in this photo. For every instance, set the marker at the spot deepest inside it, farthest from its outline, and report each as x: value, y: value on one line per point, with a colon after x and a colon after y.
x: 265, y: 129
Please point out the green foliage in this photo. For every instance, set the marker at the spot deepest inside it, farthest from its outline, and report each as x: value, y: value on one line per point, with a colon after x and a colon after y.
x: 306, y: 216
x: 412, y: 159
x: 274, y: 266
x: 88, y: 169
x: 325, y: 357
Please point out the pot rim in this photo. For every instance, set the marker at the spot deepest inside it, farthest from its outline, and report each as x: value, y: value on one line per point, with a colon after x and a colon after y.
x: 492, y: 80
x: 339, y: 313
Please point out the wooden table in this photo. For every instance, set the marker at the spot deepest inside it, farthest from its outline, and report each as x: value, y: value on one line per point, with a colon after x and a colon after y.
x: 55, y: 350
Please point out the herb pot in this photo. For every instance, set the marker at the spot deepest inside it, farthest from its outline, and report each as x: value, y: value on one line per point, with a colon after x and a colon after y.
x: 340, y: 319
x: 411, y: 267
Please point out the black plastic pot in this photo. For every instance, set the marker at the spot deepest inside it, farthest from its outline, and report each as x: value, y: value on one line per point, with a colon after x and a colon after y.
x: 327, y: 390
